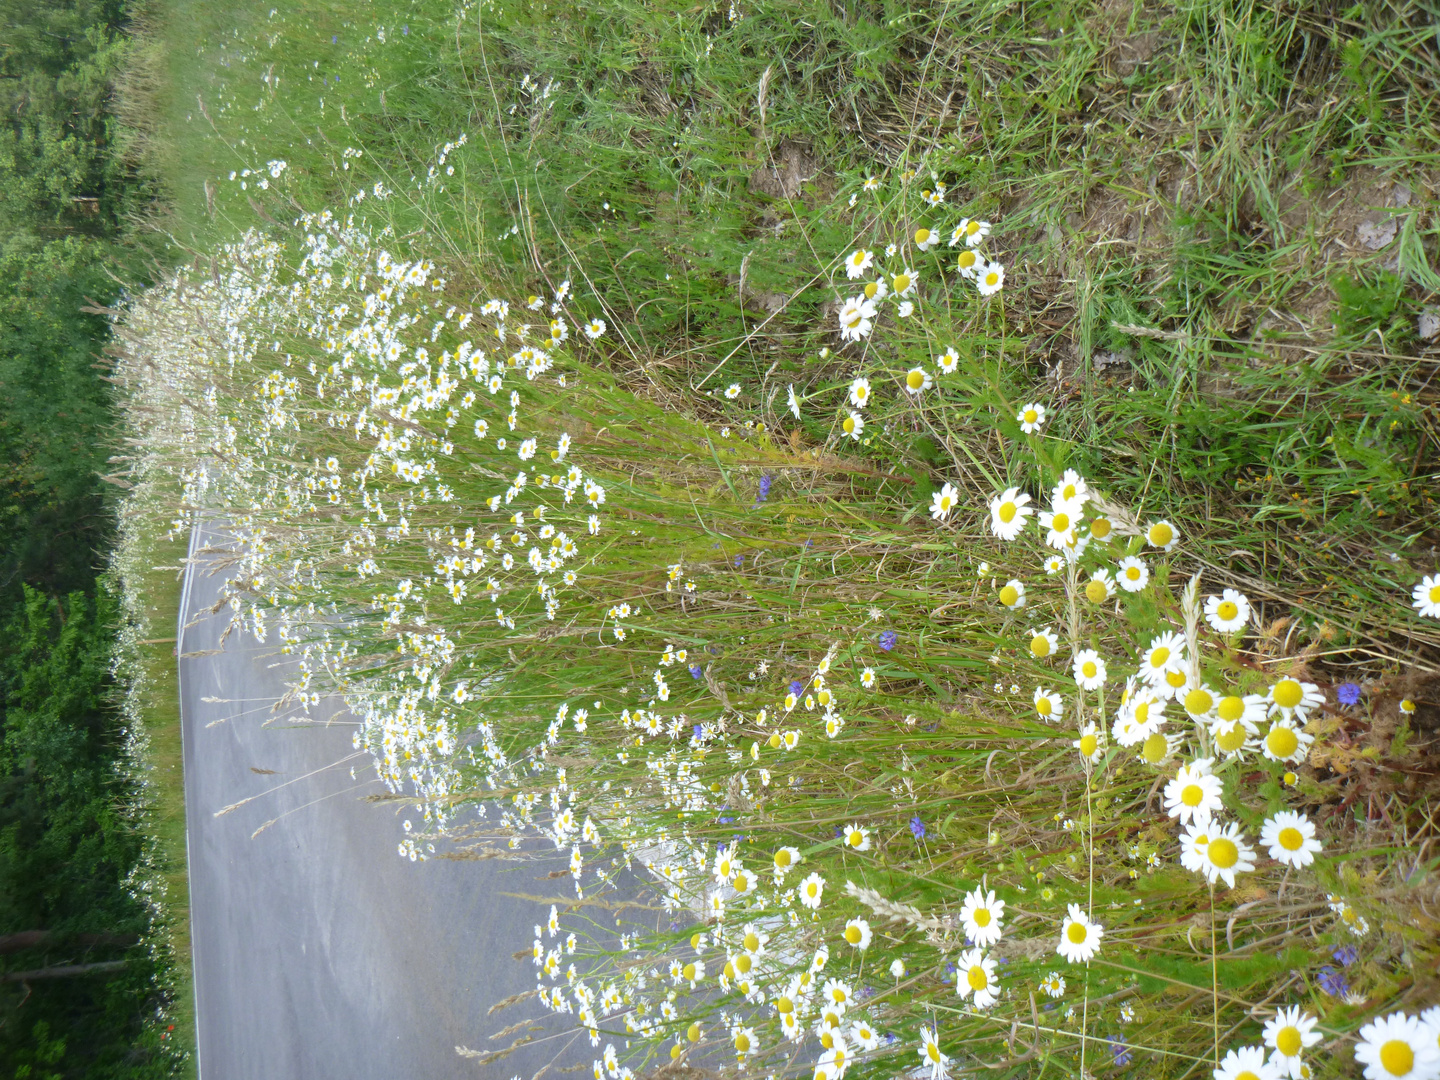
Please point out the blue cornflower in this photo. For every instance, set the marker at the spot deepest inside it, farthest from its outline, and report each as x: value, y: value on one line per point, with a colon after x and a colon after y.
x: 739, y: 561
x: 1345, y: 955
x: 888, y: 639
x: 1332, y: 982
x: 1348, y: 693
x: 917, y: 827
x: 695, y: 671
x: 1120, y: 1052
x: 764, y: 493
x: 796, y: 685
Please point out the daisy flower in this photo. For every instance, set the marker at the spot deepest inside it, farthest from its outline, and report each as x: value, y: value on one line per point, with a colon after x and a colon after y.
x: 1048, y: 704
x: 1079, y: 937
x: 968, y: 263
x: 1031, y: 417
x: 857, y: 316
x: 853, y: 425
x: 857, y: 262
x: 1162, y: 534
x: 786, y: 859
x: 1100, y: 587
x: 856, y: 838
x: 1286, y: 742
x: 864, y: 1035
x: 1008, y: 513
x: 974, y: 974
x: 732, y: 391
x: 1053, y: 984
x: 876, y: 290
x: 1231, y: 737
x: 990, y: 278
x: 810, y: 891
x: 1089, y: 669
x: 1059, y: 527
x: 1198, y: 702
x: 905, y: 310
x: 1288, y: 1032
x: 1225, y: 854
x: 1291, y: 839
x: 1089, y: 743
x: 1293, y: 698
x: 930, y: 1056
x: 872, y: 183
x: 1228, y: 612
x: 792, y: 402
x: 1043, y: 643
x: 1132, y: 575
x: 948, y: 360
x: 857, y: 933
x: 926, y: 238
x: 867, y: 678
x: 1012, y: 594
x: 943, y: 501
x: 1195, y: 793
x: 1247, y: 1063
x: 1398, y: 1047
x: 981, y: 916
x: 1164, y: 654
x: 1053, y: 565
x: 1102, y: 529
x: 917, y: 380
x: 860, y: 393
x: 973, y: 230
x: 903, y: 283
x: 1072, y: 488
x: 1426, y: 596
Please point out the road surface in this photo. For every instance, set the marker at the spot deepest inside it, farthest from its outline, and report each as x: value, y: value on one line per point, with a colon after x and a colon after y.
x: 318, y: 951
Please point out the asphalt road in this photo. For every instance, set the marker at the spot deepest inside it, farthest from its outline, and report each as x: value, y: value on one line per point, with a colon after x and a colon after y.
x: 318, y: 951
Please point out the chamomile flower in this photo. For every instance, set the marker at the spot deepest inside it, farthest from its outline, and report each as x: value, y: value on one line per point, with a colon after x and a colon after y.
x: 853, y: 425
x: 905, y: 309
x: 786, y: 859
x: 1247, y: 1063
x: 1048, y: 704
x: 1058, y: 525
x: 860, y: 392
x: 1223, y: 853
x: 857, y: 317
x: 944, y: 501
x: 1293, y: 698
x: 872, y: 183
x: 857, y: 262
x: 857, y: 933
x: 969, y: 263
x: 1079, y: 936
x: 1131, y: 574
x: 1164, y: 654
x: 1008, y: 513
x: 1285, y: 741
x: 1289, y: 1032
x: 1053, y: 564
x: 990, y: 278
x: 1090, y: 743
x: 981, y: 915
x: 1072, y: 488
x: 973, y: 230
x: 1425, y: 597
x: 1089, y: 669
x: 926, y: 238
x: 1100, y: 587
x: 810, y: 891
x: 856, y: 838
x: 1031, y: 417
x: 1195, y: 793
x: 876, y: 290
x: 1162, y: 534
x: 1290, y: 838
x: 792, y: 402
x: 975, y: 974
x: 1012, y: 594
x: 930, y: 1056
x: 1043, y: 643
x: 732, y: 391
x: 917, y: 380
x: 1398, y: 1047
x: 1198, y: 702
x: 948, y: 361
x: 864, y: 1035
x: 1228, y: 612
x: 1053, y: 984
x: 1236, y: 721
x: 903, y: 283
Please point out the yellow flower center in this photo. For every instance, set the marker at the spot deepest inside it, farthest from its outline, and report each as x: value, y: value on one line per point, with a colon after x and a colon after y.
x: 1088, y: 669
x: 852, y: 935
x: 972, y: 228
x: 1076, y: 933
x: 1230, y: 708
x: 1008, y: 595
x: 1043, y: 706
x: 1223, y: 853
x: 871, y: 288
x: 902, y: 282
x: 1435, y: 594
x: 1040, y: 645
x: 1231, y: 739
x: 862, y: 392
x: 1142, y: 712
x: 742, y: 1042
x: 675, y: 1053
x: 1198, y: 701
x: 932, y: 1052
x: 1007, y: 512
x: 915, y: 380
x: 695, y: 941
x: 1161, y: 534
x: 1154, y: 749
x: 827, y: 1040
x: 729, y: 969
x: 1088, y: 743
x: 1192, y: 795
x: 966, y: 260
x: 1175, y: 679
x: 1031, y: 416
x: 1060, y: 523
x: 982, y: 917
x: 1096, y: 592
x: 855, y: 319
x: 1288, y: 693
x: 1291, y: 840
x: 743, y: 963
x: 992, y: 278
x: 848, y: 425
x: 1227, y: 610
x: 1282, y: 741
x: 742, y: 882
x: 976, y: 978
x: 922, y: 236
x: 1246, y: 1075
x: 775, y: 745
x: 1288, y: 1042
x: 1100, y: 528
x: 856, y: 839
x: 1159, y: 656
x: 688, y: 971
x: 1397, y: 1057
x: 1132, y: 573
x: 784, y: 1005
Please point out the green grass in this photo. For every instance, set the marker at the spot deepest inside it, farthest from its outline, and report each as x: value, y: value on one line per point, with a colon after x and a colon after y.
x: 1176, y: 190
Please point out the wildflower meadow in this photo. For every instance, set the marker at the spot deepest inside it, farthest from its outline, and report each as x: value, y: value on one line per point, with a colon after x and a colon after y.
x: 711, y: 508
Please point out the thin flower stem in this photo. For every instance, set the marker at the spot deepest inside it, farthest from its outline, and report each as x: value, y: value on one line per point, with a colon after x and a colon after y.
x: 1214, y: 977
